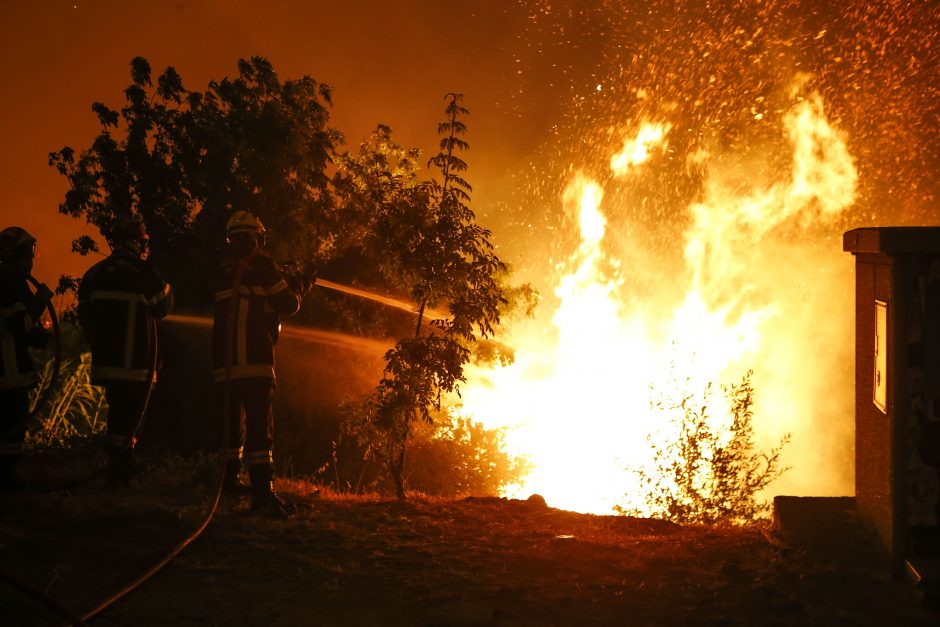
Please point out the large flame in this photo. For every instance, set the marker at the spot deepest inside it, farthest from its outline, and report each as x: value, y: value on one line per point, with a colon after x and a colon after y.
x: 576, y: 402
x: 636, y: 151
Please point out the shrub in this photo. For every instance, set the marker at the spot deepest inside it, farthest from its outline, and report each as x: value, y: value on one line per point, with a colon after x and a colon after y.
x: 708, y: 472
x: 74, y: 410
x: 458, y: 456
x: 449, y: 456
x: 431, y: 245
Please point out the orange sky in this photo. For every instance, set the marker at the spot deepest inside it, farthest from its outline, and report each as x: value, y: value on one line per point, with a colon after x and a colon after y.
x: 393, y: 62
x: 389, y: 62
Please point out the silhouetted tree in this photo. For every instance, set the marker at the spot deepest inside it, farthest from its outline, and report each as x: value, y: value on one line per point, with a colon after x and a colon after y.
x: 430, y: 243
x: 182, y: 160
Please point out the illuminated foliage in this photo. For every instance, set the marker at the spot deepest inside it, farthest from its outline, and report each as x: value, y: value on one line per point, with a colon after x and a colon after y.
x: 75, y: 410
x: 431, y: 245
x: 455, y: 456
x: 376, y: 182
x: 709, y: 472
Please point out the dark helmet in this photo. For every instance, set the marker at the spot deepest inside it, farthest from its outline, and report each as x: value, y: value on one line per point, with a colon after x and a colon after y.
x: 16, y: 243
x: 127, y: 227
x: 128, y: 231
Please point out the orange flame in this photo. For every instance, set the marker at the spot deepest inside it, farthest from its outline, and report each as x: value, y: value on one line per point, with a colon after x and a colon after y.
x: 576, y: 402
x: 637, y: 151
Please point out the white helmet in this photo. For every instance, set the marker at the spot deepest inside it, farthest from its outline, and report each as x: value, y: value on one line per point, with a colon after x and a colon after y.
x: 243, y: 222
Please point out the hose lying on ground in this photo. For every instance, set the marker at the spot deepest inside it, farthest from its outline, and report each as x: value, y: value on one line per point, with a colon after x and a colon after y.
x: 43, y: 597
x: 210, y: 512
x: 82, y: 620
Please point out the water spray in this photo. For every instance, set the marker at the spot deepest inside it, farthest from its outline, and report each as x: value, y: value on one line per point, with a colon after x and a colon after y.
x: 304, y: 274
x: 397, y: 303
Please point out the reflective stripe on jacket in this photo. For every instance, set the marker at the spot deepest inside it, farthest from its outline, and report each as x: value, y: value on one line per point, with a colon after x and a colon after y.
x: 262, y: 297
x: 118, y: 300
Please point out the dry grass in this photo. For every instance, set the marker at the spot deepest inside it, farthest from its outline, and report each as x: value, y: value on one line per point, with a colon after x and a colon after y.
x: 73, y: 410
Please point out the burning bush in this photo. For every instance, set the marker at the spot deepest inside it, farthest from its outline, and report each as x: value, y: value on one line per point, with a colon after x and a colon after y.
x: 458, y: 456
x: 450, y: 456
x: 706, y: 470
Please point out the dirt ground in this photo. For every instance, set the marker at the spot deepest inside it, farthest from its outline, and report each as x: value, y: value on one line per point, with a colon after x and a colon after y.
x: 368, y: 561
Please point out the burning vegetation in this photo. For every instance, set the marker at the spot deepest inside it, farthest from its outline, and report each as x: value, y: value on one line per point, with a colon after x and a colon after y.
x: 680, y: 224
x: 726, y: 309
x: 690, y: 352
x: 683, y: 225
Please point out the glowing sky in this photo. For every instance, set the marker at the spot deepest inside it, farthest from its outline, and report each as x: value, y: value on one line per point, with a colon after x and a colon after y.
x: 387, y: 62
x: 530, y: 71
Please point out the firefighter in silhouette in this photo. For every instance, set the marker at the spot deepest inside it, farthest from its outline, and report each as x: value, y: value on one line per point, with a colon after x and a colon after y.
x: 20, y: 330
x: 118, y: 301
x: 251, y: 294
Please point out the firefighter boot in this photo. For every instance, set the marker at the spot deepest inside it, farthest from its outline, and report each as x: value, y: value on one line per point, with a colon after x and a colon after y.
x: 263, y: 498
x: 231, y: 486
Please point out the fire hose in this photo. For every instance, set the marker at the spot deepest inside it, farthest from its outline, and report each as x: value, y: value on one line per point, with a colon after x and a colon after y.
x: 81, y: 621
x: 226, y: 410
x: 210, y: 512
x: 44, y: 597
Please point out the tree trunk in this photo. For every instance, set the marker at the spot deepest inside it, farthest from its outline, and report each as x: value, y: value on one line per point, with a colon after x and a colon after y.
x: 398, y: 473
x: 424, y: 302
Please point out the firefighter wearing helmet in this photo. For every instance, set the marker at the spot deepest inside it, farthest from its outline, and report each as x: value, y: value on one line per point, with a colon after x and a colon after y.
x: 20, y: 330
x: 118, y: 301
x: 251, y: 294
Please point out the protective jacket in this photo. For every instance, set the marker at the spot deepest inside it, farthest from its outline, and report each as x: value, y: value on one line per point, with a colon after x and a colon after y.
x: 262, y: 297
x: 20, y: 330
x: 118, y: 300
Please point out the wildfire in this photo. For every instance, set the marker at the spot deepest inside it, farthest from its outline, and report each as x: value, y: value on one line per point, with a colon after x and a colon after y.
x: 637, y: 151
x: 576, y: 402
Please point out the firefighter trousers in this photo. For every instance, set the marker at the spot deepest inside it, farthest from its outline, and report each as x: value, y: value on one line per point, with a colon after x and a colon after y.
x: 125, y: 405
x: 251, y: 425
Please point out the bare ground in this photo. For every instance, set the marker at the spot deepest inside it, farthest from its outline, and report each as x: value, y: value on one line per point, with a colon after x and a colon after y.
x: 475, y: 561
